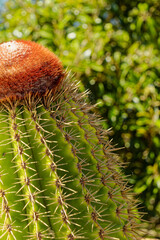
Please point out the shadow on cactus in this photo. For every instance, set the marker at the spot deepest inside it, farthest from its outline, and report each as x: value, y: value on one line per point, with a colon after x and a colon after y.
x: 59, y: 177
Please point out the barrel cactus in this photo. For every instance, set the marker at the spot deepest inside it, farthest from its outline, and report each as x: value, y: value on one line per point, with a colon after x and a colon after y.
x: 59, y: 175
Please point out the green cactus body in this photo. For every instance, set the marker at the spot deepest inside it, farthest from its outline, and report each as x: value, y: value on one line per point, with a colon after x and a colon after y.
x: 59, y: 176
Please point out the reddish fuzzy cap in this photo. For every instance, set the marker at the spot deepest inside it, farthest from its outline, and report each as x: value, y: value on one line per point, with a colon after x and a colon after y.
x: 27, y: 67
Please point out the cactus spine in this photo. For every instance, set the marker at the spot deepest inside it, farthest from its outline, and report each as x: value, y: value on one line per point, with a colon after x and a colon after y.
x: 59, y: 176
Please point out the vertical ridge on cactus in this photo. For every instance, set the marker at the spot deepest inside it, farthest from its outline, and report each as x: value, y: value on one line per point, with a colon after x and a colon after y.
x: 59, y: 176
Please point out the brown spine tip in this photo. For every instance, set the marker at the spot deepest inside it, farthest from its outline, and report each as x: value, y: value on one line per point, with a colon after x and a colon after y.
x: 27, y: 67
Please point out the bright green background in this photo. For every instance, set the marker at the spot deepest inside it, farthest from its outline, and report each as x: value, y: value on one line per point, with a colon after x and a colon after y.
x: 113, y: 47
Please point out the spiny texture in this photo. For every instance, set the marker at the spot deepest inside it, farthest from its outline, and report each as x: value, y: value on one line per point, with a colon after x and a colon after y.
x: 26, y: 66
x: 59, y: 177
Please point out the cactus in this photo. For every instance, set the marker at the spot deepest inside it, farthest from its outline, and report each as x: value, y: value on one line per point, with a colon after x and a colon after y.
x: 59, y: 175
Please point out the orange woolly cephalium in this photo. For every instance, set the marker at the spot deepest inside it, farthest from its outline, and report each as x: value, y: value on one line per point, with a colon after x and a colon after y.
x: 25, y: 67
x: 59, y: 177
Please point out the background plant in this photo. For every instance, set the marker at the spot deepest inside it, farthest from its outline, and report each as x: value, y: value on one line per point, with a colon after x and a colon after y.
x: 113, y: 47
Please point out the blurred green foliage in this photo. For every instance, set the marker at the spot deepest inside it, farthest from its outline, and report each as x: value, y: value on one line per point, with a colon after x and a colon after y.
x: 114, y: 48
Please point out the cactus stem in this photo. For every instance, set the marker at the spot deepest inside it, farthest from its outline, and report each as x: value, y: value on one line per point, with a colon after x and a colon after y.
x: 67, y: 181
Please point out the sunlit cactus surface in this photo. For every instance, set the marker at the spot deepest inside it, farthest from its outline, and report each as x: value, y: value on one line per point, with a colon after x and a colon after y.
x: 59, y: 175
